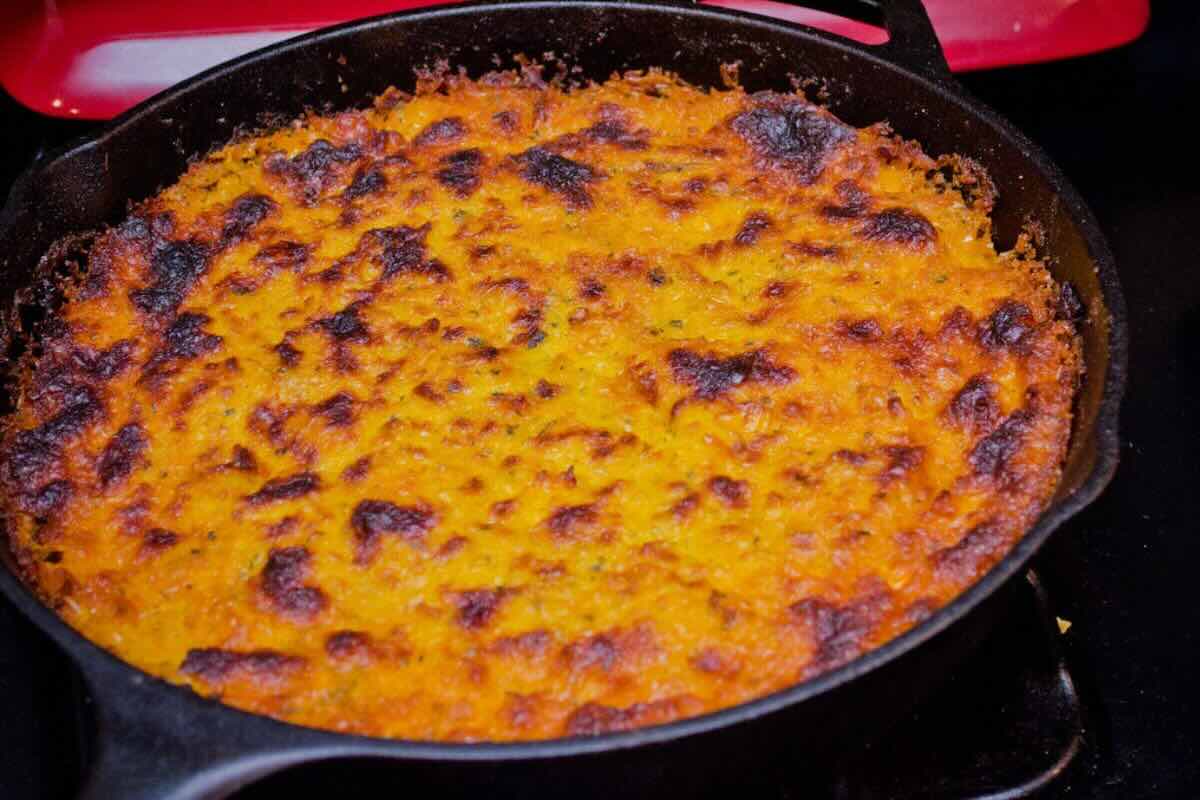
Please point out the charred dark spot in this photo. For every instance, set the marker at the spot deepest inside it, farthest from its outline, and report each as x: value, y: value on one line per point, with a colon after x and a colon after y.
x: 851, y: 457
x: 545, y: 389
x: 792, y: 136
x: 358, y: 470
x: 282, y: 255
x: 656, y: 277
x: 373, y: 518
x: 175, y: 267
x: 243, y: 460
x: 216, y: 666
x: 615, y: 131
x: 1069, y: 306
x: 54, y: 380
x: 337, y: 411
x: 184, y: 340
x: 344, y: 645
x: 247, y: 212
x: 528, y: 322
x: 1007, y: 328
x: 863, y: 330
x: 964, y: 560
x: 133, y: 516
x: 485, y: 352
x: 593, y: 719
x: 48, y: 500
x: 683, y: 509
x: 401, y: 250
x: 838, y: 631
x: 507, y: 121
x: 286, y: 488
x: 732, y: 493
x: 898, y: 226
x: 155, y: 302
x: 367, y: 180
x: 82, y: 408
x: 452, y: 546
x: 283, y: 527
x: 287, y: 353
x: 426, y: 391
x: 853, y: 202
x: 460, y: 172
x: 600, y: 650
x: 752, y: 228
x: 156, y: 540
x: 567, y: 520
x: 566, y: 178
x: 711, y: 376
x: 591, y: 289
x: 32, y: 453
x: 269, y: 422
x: 54, y: 388
x: 956, y: 322
x: 813, y: 250
x: 477, y: 607
x: 316, y: 168
x: 975, y: 406
x: 135, y: 229
x: 992, y: 454
x: 712, y: 661
x: 776, y: 289
x: 529, y: 644
x: 517, y: 286
x: 346, y: 326
x: 444, y: 131
x: 121, y: 454
x: 282, y: 583
x: 901, y: 460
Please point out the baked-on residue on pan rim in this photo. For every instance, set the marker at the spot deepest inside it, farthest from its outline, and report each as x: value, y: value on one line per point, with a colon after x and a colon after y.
x: 567, y: 174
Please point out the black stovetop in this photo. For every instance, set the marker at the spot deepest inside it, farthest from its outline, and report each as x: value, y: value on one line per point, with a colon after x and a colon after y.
x: 1105, y: 710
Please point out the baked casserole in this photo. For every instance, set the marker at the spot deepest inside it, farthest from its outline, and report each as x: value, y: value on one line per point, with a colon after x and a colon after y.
x: 510, y: 410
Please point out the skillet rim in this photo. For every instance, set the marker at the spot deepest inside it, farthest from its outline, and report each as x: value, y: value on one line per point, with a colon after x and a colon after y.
x: 99, y: 667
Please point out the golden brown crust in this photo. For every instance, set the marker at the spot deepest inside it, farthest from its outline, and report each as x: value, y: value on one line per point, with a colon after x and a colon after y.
x: 507, y: 412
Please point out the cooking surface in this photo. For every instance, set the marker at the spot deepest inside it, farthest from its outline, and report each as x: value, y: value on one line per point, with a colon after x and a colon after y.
x: 1116, y: 125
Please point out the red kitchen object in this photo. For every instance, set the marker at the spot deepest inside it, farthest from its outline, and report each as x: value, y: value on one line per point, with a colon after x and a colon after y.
x: 93, y: 59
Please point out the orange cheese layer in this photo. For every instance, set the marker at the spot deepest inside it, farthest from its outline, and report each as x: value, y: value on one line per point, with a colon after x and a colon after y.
x: 511, y: 412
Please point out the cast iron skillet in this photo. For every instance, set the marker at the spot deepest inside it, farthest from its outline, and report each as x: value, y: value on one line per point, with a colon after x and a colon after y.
x: 156, y: 740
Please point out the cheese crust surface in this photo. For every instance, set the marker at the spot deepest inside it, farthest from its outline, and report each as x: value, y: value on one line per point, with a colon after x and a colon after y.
x: 504, y: 411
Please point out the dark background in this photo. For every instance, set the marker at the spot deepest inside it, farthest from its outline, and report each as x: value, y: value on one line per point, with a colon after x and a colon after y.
x: 1120, y: 126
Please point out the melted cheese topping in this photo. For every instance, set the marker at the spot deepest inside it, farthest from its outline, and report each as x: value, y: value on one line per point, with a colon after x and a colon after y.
x: 508, y: 412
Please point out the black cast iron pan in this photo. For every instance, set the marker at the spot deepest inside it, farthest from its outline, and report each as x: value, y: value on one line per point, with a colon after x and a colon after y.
x: 156, y: 740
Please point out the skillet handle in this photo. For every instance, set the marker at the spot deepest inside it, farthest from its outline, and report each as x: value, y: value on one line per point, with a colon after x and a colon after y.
x: 154, y: 742
x: 912, y: 41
